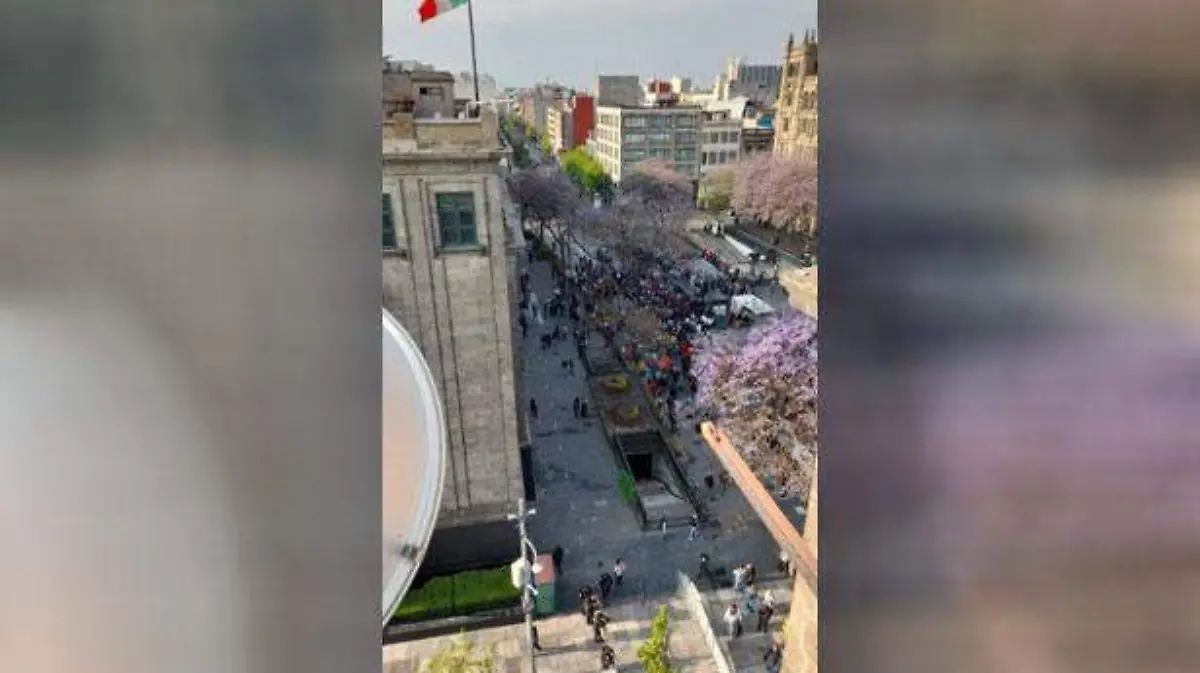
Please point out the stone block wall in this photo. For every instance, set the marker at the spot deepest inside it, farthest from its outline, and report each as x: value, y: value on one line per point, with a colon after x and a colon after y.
x: 456, y: 305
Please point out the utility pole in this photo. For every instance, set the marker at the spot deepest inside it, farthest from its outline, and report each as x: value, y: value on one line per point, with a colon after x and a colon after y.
x: 528, y: 591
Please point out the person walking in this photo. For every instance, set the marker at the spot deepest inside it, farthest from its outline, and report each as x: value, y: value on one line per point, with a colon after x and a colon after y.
x: 765, y: 612
x: 583, y: 409
x: 733, y: 621
x: 619, y: 570
x: 606, y: 583
x: 739, y: 578
x: 599, y: 624
x: 557, y: 557
x: 694, y: 530
x: 662, y: 525
x: 533, y: 409
x: 705, y: 571
x: 537, y: 644
x: 751, y: 573
x: 575, y: 406
x: 608, y: 659
x: 773, y: 659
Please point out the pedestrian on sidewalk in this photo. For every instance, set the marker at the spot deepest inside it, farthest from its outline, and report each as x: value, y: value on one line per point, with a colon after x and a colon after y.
x: 557, y: 557
x: 733, y: 621
x: 764, y: 616
x: 606, y: 583
x: 694, y: 529
x: 591, y: 607
x: 662, y: 525
x: 575, y: 407
x: 533, y: 409
x: 583, y: 409
x: 619, y: 571
x: 608, y: 659
x: 585, y: 595
x: 537, y: 645
x: 704, y: 570
x: 773, y: 659
x: 751, y: 574
x: 739, y: 578
x: 599, y: 626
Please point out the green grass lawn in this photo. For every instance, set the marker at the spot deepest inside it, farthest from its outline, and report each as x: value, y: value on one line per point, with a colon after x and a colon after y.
x: 457, y: 595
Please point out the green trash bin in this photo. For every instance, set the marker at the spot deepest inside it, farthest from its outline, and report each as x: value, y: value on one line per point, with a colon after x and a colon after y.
x: 546, y: 602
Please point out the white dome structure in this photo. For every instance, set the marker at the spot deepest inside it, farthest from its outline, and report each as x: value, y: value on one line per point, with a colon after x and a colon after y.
x: 414, y: 460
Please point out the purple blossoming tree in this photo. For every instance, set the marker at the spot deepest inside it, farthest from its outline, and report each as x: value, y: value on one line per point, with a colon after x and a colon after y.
x: 762, y: 390
x: 655, y: 203
x: 779, y: 190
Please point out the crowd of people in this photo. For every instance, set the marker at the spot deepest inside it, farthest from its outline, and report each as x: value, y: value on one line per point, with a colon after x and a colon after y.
x: 592, y: 599
x: 600, y: 296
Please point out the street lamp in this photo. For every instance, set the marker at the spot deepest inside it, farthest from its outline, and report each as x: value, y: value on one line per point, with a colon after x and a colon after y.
x: 528, y: 574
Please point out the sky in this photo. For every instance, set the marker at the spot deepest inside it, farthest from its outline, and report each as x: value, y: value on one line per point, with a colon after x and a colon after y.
x: 520, y: 42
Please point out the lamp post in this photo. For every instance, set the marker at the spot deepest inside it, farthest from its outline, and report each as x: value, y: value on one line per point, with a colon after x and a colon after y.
x: 528, y: 591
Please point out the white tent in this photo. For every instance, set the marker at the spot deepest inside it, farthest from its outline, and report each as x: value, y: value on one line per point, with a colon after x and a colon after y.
x: 752, y: 304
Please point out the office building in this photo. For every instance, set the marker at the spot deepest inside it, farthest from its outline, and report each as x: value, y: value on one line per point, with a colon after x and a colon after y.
x: 625, y: 136
x: 619, y: 91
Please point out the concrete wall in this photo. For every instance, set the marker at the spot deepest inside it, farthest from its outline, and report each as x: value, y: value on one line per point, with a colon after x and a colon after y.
x: 800, y: 638
x: 457, y: 306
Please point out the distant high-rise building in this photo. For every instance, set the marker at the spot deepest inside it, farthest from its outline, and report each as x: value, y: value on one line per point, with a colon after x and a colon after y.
x: 796, y: 119
x: 619, y: 91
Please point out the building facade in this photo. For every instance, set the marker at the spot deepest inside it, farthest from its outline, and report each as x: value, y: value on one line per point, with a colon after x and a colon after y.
x: 759, y: 83
x: 756, y: 140
x: 796, y: 130
x: 720, y: 139
x: 569, y: 124
x: 450, y: 246
x: 618, y: 91
x: 625, y: 136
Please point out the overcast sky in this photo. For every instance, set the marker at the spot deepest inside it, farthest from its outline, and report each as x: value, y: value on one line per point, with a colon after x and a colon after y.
x: 568, y: 41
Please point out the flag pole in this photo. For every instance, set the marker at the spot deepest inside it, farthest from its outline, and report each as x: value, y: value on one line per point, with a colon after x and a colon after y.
x: 474, y: 64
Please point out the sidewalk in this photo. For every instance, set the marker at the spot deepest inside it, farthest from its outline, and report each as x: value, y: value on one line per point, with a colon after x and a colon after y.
x: 567, y: 645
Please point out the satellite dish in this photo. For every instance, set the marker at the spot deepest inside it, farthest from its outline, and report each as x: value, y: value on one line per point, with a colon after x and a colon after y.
x: 414, y: 461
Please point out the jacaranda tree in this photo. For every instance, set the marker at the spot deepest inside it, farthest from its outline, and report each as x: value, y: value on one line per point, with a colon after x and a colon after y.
x: 762, y: 391
x: 778, y: 190
x: 655, y: 202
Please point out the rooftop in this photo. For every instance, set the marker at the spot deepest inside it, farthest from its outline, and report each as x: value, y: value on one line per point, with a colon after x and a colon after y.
x: 405, y: 134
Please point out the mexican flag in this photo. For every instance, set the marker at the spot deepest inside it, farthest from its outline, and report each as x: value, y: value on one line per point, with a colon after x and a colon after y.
x: 434, y: 8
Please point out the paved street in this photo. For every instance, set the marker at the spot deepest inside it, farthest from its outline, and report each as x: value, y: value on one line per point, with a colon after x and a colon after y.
x: 580, y: 508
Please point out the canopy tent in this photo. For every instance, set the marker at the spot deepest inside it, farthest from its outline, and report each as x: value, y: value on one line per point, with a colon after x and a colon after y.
x: 752, y: 304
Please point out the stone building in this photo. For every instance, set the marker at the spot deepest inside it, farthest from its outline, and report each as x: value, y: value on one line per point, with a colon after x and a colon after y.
x: 450, y: 246
x: 796, y: 119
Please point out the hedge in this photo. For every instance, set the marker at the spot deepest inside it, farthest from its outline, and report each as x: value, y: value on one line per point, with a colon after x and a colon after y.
x: 456, y: 595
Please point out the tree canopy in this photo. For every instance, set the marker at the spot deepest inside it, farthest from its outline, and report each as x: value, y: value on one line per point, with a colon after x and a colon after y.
x: 586, y: 172
x: 776, y: 189
x: 654, y: 205
x: 543, y: 194
x: 763, y: 392
x: 716, y: 190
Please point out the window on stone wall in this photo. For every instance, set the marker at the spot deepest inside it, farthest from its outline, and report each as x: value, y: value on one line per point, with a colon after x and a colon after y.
x: 389, y: 223
x: 456, y: 220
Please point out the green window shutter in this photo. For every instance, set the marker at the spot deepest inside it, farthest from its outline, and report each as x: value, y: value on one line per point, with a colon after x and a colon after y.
x: 456, y: 219
x: 389, y: 223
